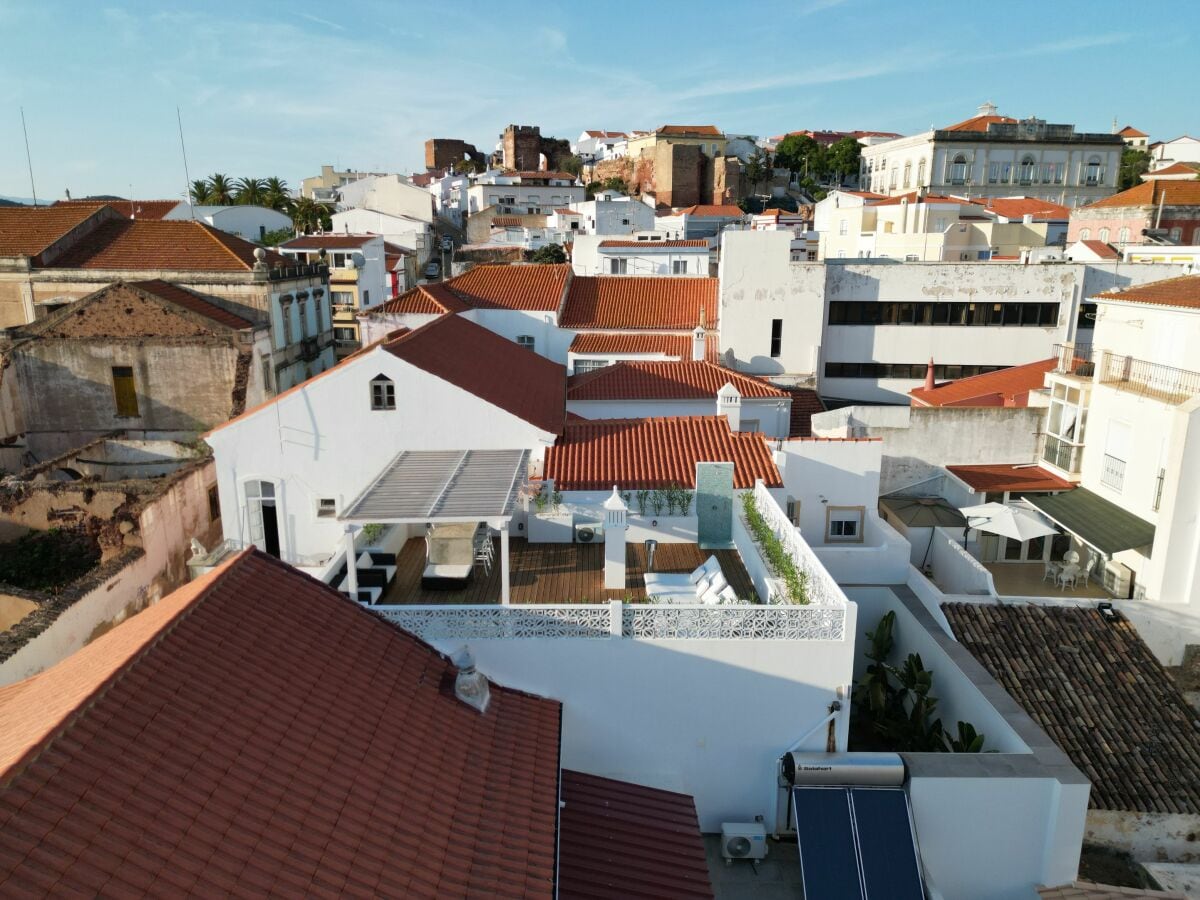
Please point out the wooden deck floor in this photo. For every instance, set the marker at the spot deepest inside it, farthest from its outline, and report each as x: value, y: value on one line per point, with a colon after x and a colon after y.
x: 557, y: 573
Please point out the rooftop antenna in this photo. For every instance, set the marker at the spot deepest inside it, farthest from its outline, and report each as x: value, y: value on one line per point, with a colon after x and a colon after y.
x: 28, y: 158
x: 187, y: 178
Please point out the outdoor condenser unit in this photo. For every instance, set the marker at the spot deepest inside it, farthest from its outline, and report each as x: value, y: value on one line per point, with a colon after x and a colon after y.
x: 589, y: 533
x: 743, y: 840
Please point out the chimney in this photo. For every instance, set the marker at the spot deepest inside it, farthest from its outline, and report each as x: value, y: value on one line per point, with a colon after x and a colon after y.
x: 729, y: 405
x: 929, y: 380
x: 470, y: 685
x: 615, y: 512
x: 699, y: 344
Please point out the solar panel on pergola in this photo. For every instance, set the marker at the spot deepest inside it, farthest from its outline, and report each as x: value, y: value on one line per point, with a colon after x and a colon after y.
x: 442, y: 486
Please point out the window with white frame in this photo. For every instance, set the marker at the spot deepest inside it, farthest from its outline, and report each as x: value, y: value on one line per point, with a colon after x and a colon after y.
x: 1066, y: 423
x: 921, y: 173
x: 1104, y: 233
x: 843, y: 227
x: 326, y: 508
x: 582, y: 366
x: 1085, y: 234
x: 793, y: 511
x: 679, y: 267
x: 1175, y: 234
x: 1093, y: 172
x: 383, y: 393
x: 617, y: 266
x: 1028, y: 170
x: 1123, y: 235
x: 526, y: 341
x: 1116, y: 452
x: 958, y: 170
x: 843, y: 524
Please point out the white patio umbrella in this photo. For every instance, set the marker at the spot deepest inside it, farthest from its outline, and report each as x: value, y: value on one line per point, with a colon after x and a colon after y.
x: 1008, y: 521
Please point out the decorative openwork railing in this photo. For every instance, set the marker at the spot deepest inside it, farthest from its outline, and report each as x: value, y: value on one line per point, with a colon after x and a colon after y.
x: 822, y: 589
x: 1150, y: 379
x: 621, y: 620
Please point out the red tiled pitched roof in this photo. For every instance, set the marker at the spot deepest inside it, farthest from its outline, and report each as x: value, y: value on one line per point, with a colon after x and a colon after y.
x: 567, y: 212
x: 148, y: 210
x: 712, y: 211
x: 185, y: 298
x: 1004, y: 477
x: 489, y: 366
x: 655, y: 453
x: 1007, y: 387
x: 978, y: 123
x: 805, y: 403
x: 640, y: 302
x: 623, y: 840
x: 1187, y: 169
x: 1016, y: 207
x: 706, y: 130
x: 660, y: 380
x: 915, y: 197
x: 188, y: 246
x: 677, y: 345
x: 527, y: 287
x: 1101, y: 249
x: 1167, y: 191
x: 508, y: 221
x: 256, y: 731
x: 604, y: 134
x: 433, y: 298
x: 1182, y: 292
x: 652, y: 244
x: 328, y: 242
x: 28, y: 230
x: 1130, y: 131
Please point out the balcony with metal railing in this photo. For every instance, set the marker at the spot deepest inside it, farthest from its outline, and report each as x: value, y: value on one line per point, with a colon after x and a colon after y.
x: 1062, y: 454
x: 1148, y: 379
x: 1112, y: 472
x: 1075, y: 360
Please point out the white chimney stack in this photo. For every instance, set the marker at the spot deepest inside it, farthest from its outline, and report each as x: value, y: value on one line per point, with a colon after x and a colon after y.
x: 699, y: 342
x: 615, y: 512
x: 470, y: 685
x: 729, y: 405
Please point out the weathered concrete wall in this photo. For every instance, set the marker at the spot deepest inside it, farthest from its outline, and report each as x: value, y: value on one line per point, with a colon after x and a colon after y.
x: 1164, y: 837
x: 679, y: 174
x: 442, y: 153
x: 918, y: 441
x: 184, y: 385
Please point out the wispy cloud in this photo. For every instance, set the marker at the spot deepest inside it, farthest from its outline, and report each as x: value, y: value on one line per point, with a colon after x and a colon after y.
x: 816, y: 6
x: 326, y: 22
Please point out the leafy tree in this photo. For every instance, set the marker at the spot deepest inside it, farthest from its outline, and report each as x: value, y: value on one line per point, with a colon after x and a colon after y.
x: 465, y: 166
x: 551, y: 253
x: 798, y: 153
x: 842, y: 158
x: 572, y: 165
x: 250, y: 191
x: 199, y: 192
x: 220, y: 190
x: 1134, y: 164
x: 276, y: 237
x: 615, y: 184
x: 759, y: 168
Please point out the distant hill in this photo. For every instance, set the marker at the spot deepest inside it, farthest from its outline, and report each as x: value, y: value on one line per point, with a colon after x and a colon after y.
x: 19, y: 201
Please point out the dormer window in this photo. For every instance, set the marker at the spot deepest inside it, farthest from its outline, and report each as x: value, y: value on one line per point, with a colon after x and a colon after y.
x: 383, y: 393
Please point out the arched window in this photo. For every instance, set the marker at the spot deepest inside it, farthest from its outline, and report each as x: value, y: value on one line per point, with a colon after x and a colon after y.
x: 1123, y: 235
x: 958, y: 170
x: 1104, y: 232
x: 907, y: 173
x: 1093, y: 172
x: 921, y: 173
x: 1085, y: 234
x: 383, y: 393
x: 527, y: 341
x: 1026, y: 172
x: 1175, y: 234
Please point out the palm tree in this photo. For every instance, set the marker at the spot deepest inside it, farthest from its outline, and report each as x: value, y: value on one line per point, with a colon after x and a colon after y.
x: 276, y: 195
x: 308, y: 214
x: 249, y: 191
x: 220, y: 190
x: 199, y: 192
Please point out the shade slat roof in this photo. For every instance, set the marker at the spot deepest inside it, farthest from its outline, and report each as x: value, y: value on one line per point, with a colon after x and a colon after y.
x: 1095, y: 521
x: 431, y: 485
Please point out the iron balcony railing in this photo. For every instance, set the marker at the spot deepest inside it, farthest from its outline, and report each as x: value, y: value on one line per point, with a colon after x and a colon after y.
x: 1062, y: 455
x: 1112, y: 472
x: 1074, y: 359
x: 1149, y: 379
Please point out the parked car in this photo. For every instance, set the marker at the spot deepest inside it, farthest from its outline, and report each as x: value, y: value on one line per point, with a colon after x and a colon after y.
x: 433, y: 269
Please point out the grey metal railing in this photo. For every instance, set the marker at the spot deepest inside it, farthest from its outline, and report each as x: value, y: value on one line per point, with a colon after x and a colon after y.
x: 1112, y: 472
x: 1074, y: 359
x: 1140, y: 376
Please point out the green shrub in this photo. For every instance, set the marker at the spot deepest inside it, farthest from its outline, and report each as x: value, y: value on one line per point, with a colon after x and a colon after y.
x: 778, y: 559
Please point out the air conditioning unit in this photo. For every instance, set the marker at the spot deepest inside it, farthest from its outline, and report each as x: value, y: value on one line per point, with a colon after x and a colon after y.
x: 589, y: 533
x: 1118, y: 579
x: 743, y: 840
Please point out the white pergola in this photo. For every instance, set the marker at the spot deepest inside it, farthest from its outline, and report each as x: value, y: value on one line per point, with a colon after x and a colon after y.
x: 441, y: 486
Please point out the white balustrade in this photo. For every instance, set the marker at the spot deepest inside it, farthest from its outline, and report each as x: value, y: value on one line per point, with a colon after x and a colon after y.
x: 822, y: 589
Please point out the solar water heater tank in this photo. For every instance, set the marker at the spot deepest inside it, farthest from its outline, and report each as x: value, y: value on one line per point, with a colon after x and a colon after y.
x: 859, y: 769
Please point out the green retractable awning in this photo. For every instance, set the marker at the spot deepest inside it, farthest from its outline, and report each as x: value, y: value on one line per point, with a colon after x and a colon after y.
x: 1094, y: 520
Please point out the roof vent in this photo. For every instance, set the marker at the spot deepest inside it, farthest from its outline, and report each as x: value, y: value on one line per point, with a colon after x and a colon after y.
x: 470, y: 685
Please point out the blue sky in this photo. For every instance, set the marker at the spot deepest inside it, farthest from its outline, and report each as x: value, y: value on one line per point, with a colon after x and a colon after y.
x: 280, y: 89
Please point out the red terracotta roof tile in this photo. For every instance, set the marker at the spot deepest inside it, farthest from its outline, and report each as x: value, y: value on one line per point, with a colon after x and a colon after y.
x: 655, y: 244
x: 706, y: 130
x: 604, y: 134
x: 326, y: 732
x: 917, y: 197
x: 1004, y: 477
x: 712, y: 211
x: 185, y: 298
x: 1168, y: 192
x: 187, y: 246
x: 1187, y: 169
x: 1183, y: 292
x: 433, y: 298
x: 28, y: 230
x: 148, y: 210
x: 978, y: 123
x: 805, y: 403
x: 1101, y: 249
x: 527, y: 287
x: 655, y: 453
x: 1016, y: 207
x: 654, y: 380
x: 1130, y: 131
x: 507, y: 221
x: 640, y: 302
x: 676, y: 345
x: 328, y: 242
x: 622, y: 840
x: 489, y: 366
x: 1006, y: 387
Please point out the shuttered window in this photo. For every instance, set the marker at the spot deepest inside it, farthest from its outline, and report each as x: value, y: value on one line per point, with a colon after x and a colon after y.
x: 124, y: 391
